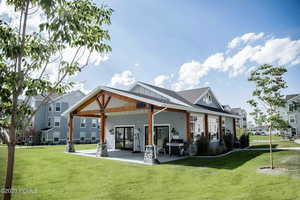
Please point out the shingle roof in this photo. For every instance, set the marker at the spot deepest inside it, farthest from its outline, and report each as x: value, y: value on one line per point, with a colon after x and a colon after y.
x: 193, y: 94
x: 213, y: 109
x: 290, y: 96
x: 169, y: 93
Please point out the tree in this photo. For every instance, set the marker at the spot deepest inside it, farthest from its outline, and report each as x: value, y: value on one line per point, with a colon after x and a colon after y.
x: 267, y: 99
x: 25, y: 58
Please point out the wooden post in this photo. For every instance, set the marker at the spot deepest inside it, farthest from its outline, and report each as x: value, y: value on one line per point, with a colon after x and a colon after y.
x: 70, y: 129
x: 188, y: 128
x: 234, y: 127
x: 102, y: 128
x: 220, y: 128
x: 150, y: 131
x: 206, y: 125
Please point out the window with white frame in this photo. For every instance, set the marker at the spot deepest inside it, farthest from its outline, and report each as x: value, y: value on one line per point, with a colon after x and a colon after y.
x: 196, y: 125
x: 56, y: 137
x: 50, y: 107
x: 82, y: 122
x: 56, y: 121
x: 292, y: 119
x: 93, y: 135
x: 207, y: 99
x: 94, y: 123
x: 49, y: 122
x: 82, y: 136
x: 57, y: 107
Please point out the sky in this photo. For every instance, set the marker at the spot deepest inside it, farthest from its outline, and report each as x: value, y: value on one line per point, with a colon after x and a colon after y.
x: 197, y: 43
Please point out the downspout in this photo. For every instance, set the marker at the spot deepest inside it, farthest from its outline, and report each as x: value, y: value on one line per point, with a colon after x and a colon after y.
x: 153, y: 132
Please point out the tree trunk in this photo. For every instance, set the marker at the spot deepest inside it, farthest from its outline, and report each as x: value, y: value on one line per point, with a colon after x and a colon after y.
x: 271, y: 153
x: 9, y: 171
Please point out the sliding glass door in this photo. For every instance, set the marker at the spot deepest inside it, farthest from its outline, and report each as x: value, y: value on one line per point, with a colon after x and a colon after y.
x: 161, y: 136
x: 124, y: 138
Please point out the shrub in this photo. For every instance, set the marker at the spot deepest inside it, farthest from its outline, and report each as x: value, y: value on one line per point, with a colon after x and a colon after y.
x: 236, y: 143
x: 244, y: 140
x: 216, y: 148
x: 202, y: 143
x: 228, y: 140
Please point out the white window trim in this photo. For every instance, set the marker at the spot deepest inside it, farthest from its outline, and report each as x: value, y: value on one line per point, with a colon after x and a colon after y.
x: 294, y: 119
x: 49, y: 118
x: 50, y: 106
x: 56, y: 121
x: 59, y: 107
x: 82, y: 132
x: 83, y: 118
x: 94, y: 120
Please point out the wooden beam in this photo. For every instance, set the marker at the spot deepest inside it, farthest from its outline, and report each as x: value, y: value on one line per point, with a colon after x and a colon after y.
x: 206, y: 125
x: 234, y: 127
x: 103, y: 100
x: 220, y: 128
x: 85, y: 104
x: 87, y: 115
x: 188, y: 128
x: 150, y: 122
x: 70, y: 129
x: 102, y: 128
x: 122, y: 98
x: 121, y: 109
x: 106, y: 103
x: 99, y: 103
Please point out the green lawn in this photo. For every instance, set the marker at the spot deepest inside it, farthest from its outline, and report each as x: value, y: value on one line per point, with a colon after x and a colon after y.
x: 54, y: 174
x: 277, y: 141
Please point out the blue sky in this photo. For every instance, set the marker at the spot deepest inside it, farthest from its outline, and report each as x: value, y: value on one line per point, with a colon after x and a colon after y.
x: 152, y: 38
x: 188, y: 44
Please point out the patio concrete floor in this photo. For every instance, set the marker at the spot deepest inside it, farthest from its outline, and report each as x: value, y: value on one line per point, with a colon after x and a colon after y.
x: 127, y: 156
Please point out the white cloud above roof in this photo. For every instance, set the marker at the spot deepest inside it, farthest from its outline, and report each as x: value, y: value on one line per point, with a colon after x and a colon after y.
x: 244, y: 39
x: 123, y: 79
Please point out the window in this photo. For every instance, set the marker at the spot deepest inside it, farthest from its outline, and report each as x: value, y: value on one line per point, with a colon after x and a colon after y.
x: 50, y: 107
x: 82, y: 122
x: 49, y: 122
x: 94, y: 123
x: 291, y: 107
x: 207, y: 99
x: 82, y: 136
x: 57, y: 107
x: 213, y: 128
x: 196, y: 125
x: 292, y: 119
x: 56, y: 137
x: 56, y: 121
x: 93, y: 135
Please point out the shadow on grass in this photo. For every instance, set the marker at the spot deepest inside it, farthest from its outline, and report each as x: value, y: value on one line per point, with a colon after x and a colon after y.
x: 231, y: 161
x: 263, y: 146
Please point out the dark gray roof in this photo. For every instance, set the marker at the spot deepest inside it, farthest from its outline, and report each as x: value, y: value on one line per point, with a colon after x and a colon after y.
x: 144, y: 96
x: 290, y: 96
x: 169, y: 93
x: 193, y: 94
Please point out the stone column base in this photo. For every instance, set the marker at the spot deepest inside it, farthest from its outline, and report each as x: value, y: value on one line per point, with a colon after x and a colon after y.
x: 70, y: 147
x: 149, y: 155
x: 101, y: 150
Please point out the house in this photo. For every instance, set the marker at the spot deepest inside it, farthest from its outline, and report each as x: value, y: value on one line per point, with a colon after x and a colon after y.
x: 291, y: 113
x: 51, y: 127
x: 242, y: 122
x: 147, y: 117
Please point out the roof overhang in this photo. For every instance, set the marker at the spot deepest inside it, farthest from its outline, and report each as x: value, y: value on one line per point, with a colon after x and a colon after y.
x: 145, y: 100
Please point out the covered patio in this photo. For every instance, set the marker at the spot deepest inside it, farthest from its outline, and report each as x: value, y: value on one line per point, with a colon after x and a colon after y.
x: 127, y: 156
x: 134, y: 115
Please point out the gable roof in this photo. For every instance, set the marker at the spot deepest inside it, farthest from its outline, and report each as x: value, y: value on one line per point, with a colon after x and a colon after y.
x: 146, y: 99
x: 193, y: 94
x: 291, y: 96
x: 170, y: 94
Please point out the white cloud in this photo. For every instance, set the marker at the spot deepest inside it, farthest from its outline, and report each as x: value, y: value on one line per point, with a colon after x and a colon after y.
x: 160, y: 80
x: 282, y: 51
x: 206, y: 83
x: 276, y: 51
x: 248, y: 37
x: 122, y: 79
x: 82, y: 87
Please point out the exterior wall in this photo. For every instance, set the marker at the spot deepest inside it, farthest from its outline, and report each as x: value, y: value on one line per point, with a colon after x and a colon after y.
x: 286, y: 113
x: 39, y: 118
x: 174, y: 119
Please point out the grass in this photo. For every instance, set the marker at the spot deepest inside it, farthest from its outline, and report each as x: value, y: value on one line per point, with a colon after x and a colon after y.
x: 277, y: 141
x: 54, y: 174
